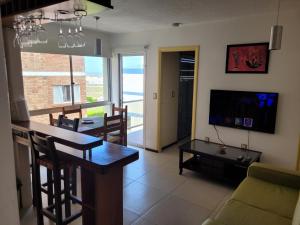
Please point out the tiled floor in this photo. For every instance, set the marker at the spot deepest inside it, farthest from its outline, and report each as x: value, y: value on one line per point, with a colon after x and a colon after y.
x: 135, y: 137
x: 154, y: 193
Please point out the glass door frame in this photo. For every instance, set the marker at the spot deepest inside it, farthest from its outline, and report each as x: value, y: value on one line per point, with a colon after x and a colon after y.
x: 120, y: 77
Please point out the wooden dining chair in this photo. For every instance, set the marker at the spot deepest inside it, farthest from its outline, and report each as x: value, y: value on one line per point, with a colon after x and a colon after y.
x: 52, y: 120
x: 44, y: 154
x: 71, y: 110
x: 68, y: 124
x: 113, y: 124
x: 124, y: 113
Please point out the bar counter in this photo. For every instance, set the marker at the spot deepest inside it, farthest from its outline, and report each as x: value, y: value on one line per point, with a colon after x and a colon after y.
x: 101, y: 171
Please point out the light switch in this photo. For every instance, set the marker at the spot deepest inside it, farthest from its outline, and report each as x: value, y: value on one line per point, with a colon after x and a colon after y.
x: 154, y: 95
x: 173, y: 94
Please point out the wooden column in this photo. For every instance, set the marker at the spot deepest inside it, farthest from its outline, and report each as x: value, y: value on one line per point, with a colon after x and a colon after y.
x: 16, y: 97
x: 8, y: 191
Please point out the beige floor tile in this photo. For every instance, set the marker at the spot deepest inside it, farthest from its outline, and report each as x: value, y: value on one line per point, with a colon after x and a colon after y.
x: 165, y: 180
x: 127, y: 181
x: 129, y: 217
x: 205, y: 193
x: 28, y: 218
x: 177, y: 211
x: 133, y: 172
x: 140, y: 197
x: 143, y: 221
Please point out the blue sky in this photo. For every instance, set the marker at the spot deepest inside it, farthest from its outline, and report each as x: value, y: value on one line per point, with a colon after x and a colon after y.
x: 133, y: 62
x: 94, y: 65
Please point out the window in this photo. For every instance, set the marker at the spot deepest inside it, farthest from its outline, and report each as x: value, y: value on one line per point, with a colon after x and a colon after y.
x: 63, y: 94
x: 95, y: 84
x: 49, y: 82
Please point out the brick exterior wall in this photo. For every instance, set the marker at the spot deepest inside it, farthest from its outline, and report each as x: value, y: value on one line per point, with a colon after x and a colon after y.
x: 39, y: 89
x: 50, y: 62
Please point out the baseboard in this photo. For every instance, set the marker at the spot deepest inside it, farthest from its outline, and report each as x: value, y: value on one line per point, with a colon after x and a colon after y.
x: 151, y: 150
x: 167, y: 146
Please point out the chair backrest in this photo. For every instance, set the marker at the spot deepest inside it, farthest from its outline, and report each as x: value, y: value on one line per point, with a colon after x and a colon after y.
x: 112, y: 124
x: 52, y: 120
x: 72, y: 109
x: 121, y: 111
x: 68, y: 124
x: 44, y: 145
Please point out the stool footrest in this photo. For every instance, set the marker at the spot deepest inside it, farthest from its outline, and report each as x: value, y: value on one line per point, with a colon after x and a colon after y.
x: 72, y: 217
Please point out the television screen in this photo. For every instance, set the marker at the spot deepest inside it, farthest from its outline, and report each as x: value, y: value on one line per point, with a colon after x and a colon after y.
x: 244, y: 110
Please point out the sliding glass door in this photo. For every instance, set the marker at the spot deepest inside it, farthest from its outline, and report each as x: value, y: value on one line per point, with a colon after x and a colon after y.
x: 132, y: 95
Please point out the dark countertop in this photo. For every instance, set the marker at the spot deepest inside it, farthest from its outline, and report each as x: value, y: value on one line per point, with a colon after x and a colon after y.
x: 102, y: 158
x: 66, y: 137
x: 104, y: 155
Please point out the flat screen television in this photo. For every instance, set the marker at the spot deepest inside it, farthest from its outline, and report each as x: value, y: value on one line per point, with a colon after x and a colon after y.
x: 244, y: 110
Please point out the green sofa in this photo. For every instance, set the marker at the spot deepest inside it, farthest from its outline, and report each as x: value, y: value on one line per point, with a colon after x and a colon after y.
x: 268, y: 196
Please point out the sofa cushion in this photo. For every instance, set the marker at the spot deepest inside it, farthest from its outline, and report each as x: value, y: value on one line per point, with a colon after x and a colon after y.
x: 267, y: 196
x: 296, y: 218
x: 239, y: 213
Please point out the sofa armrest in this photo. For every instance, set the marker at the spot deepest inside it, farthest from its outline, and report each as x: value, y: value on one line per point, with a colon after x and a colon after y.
x: 212, y: 222
x: 275, y: 175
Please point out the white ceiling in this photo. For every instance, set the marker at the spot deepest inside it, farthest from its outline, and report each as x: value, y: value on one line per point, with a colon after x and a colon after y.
x: 140, y: 15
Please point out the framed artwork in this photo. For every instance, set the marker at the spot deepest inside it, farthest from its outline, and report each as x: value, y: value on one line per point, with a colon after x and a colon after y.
x: 247, y: 58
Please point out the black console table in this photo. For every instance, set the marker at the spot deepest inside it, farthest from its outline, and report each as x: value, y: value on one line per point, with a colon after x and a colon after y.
x: 209, y: 159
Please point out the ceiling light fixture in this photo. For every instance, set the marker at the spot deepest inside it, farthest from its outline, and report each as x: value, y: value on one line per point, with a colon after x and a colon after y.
x: 276, y: 33
x: 98, y: 49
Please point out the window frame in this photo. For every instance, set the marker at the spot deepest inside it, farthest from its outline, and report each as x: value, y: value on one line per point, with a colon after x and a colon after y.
x: 57, y: 109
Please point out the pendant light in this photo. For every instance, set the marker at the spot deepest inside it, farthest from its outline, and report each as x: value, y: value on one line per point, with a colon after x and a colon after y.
x: 276, y: 33
x: 98, y: 48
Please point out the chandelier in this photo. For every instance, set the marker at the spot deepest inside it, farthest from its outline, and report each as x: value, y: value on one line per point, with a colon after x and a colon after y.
x: 30, y: 31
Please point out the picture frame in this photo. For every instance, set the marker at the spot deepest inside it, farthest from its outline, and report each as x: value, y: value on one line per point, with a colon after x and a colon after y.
x: 247, y: 58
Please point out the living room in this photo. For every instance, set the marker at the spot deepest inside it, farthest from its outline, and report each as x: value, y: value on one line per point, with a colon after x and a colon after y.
x: 143, y: 28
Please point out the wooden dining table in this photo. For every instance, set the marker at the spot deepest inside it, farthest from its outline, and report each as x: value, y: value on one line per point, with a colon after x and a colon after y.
x: 91, y: 125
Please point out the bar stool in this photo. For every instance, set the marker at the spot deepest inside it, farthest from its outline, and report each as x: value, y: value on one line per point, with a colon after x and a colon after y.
x: 44, y: 154
x: 71, y: 125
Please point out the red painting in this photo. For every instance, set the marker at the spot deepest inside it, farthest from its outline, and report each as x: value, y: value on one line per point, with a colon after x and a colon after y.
x: 247, y: 58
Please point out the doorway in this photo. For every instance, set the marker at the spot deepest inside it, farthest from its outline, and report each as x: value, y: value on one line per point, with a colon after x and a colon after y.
x: 178, y: 79
x: 132, y: 94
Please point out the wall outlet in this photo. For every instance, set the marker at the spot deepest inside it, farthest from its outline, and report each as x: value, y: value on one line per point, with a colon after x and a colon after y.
x: 206, y: 139
x: 244, y: 146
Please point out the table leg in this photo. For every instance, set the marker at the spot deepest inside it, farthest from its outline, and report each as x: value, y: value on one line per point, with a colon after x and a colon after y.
x: 102, y: 197
x: 74, y: 180
x: 180, y: 161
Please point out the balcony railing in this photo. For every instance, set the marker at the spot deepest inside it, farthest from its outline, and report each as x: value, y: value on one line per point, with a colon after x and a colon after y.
x: 135, y: 113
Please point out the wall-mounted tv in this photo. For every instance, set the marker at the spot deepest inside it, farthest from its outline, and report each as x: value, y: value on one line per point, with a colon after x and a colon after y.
x: 244, y: 110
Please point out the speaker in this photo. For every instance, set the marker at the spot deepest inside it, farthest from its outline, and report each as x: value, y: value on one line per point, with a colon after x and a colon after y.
x: 98, y: 49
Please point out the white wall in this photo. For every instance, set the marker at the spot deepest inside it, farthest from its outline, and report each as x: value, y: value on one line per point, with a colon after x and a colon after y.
x: 8, y: 194
x: 169, y: 102
x: 283, y: 77
x: 89, y: 50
